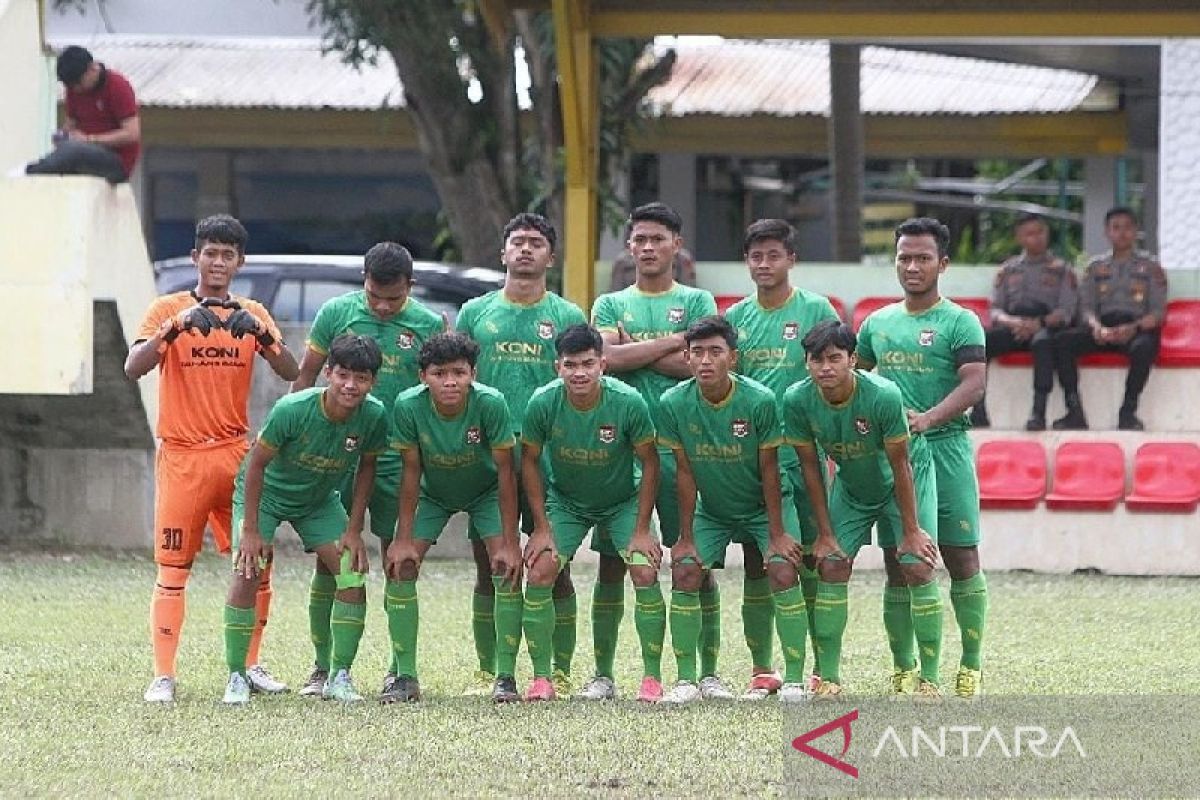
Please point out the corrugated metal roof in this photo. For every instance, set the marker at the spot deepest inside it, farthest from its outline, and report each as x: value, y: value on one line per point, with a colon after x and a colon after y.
x: 785, y: 78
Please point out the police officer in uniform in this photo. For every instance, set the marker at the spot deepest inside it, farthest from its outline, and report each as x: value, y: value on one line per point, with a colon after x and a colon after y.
x: 1122, y: 302
x: 1033, y: 300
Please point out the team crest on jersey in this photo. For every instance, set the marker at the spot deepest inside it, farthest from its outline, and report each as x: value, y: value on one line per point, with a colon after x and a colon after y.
x: 740, y: 428
x: 473, y: 435
x: 545, y: 330
x: 925, y: 337
x: 608, y: 434
x: 791, y: 330
x: 351, y: 444
x: 404, y: 340
x: 491, y: 327
x: 675, y: 315
x: 862, y: 425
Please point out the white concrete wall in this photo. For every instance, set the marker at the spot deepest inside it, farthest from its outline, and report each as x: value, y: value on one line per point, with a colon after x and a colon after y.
x: 29, y: 88
x: 1179, y: 154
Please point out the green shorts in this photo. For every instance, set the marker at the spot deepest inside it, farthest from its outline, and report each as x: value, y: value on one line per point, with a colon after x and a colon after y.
x: 570, y: 527
x: 713, y: 535
x: 524, y: 513
x: 383, y: 506
x: 666, y: 508
x: 323, y: 523
x: 957, y: 490
x: 794, y: 478
x: 483, y: 511
x: 853, y: 519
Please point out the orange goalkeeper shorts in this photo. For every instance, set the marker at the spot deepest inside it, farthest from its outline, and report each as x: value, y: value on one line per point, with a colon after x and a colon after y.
x: 193, y: 488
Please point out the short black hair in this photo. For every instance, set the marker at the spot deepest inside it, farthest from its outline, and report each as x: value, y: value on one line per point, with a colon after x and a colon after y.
x: 708, y: 327
x: 829, y: 333
x: 72, y: 62
x: 578, y: 339
x: 926, y: 226
x: 1029, y: 216
x: 527, y: 220
x: 221, y: 229
x: 1120, y: 211
x: 387, y: 262
x: 446, y: 348
x: 765, y: 230
x: 356, y: 353
x: 661, y: 213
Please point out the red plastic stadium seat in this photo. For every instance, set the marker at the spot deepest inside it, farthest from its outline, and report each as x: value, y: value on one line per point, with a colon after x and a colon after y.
x: 1012, y: 474
x: 868, y: 304
x: 1088, y: 476
x: 1166, y: 477
x: 982, y: 307
x: 1181, y: 335
x: 724, y: 301
x: 838, y: 306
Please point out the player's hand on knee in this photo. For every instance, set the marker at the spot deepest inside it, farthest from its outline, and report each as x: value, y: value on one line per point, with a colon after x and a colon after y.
x: 353, y: 543
x: 251, y: 556
x: 827, y: 548
x: 398, y: 554
x: 643, y: 542
x: 683, y: 551
x: 540, y: 544
x: 506, y: 562
x: 786, y: 548
x: 919, y: 544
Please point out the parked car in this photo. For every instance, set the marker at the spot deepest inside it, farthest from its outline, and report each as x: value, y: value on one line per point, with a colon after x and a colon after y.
x: 294, y: 287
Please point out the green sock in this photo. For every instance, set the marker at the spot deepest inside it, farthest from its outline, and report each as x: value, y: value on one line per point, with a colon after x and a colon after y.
x: 239, y: 627
x: 346, y: 624
x: 608, y: 606
x: 809, y: 578
x: 791, y: 620
x: 970, y: 601
x: 508, y: 627
x: 650, y: 619
x: 830, y: 620
x: 898, y: 622
x: 710, y: 630
x: 320, y: 606
x: 758, y: 614
x: 403, y: 616
x: 685, y: 632
x: 927, y: 625
x: 538, y: 620
x: 483, y: 625
x: 565, y: 610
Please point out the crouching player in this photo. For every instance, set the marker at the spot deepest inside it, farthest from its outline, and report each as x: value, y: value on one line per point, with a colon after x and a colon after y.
x: 310, y: 441
x: 858, y: 418
x: 456, y: 438
x: 725, y: 432
x: 592, y: 428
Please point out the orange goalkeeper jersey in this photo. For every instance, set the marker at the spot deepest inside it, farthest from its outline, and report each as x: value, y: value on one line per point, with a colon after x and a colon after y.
x: 204, y: 384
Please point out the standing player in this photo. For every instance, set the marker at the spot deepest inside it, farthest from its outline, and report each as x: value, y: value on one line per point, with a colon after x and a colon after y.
x: 643, y: 327
x: 199, y: 342
x: 725, y: 431
x: 771, y: 325
x: 311, y: 440
x: 457, y: 441
x: 385, y: 311
x: 515, y: 328
x: 858, y: 419
x: 593, y: 429
x: 934, y: 351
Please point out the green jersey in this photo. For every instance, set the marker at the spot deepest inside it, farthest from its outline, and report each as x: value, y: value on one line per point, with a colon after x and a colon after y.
x: 516, y: 342
x: 591, y: 453
x: 399, y: 338
x: 721, y: 441
x: 921, y: 353
x: 312, y: 452
x: 456, y: 452
x: 769, y: 339
x: 647, y: 316
x: 852, y: 433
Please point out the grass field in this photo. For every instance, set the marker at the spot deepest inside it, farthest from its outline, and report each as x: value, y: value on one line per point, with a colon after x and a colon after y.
x: 75, y: 658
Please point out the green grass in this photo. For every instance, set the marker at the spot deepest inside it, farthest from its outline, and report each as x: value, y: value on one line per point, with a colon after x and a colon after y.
x: 75, y: 658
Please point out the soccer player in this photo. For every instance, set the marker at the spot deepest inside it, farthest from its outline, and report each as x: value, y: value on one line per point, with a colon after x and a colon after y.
x: 858, y: 419
x: 771, y: 325
x: 515, y: 328
x: 934, y: 351
x: 725, y: 431
x: 203, y: 343
x: 594, y: 431
x: 643, y: 327
x: 310, y: 441
x: 457, y: 441
x: 385, y: 311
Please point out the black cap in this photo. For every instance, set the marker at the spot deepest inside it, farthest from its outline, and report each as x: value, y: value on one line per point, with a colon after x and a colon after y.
x: 72, y: 63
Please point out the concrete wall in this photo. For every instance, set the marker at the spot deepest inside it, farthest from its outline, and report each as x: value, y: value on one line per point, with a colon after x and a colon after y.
x: 29, y: 86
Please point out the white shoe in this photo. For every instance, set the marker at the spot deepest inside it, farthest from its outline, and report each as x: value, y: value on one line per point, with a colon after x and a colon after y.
x: 237, y: 692
x: 263, y: 681
x: 314, y: 684
x: 598, y: 688
x: 712, y: 689
x: 793, y: 693
x: 162, y: 690
x: 339, y: 687
x: 681, y: 693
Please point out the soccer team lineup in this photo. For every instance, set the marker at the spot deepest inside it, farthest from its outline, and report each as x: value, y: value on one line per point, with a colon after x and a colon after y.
x: 653, y: 431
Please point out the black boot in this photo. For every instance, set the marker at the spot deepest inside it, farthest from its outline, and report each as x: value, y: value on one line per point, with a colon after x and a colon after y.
x: 1073, y: 420
x: 1127, y: 419
x: 1037, y: 417
x: 979, y: 416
